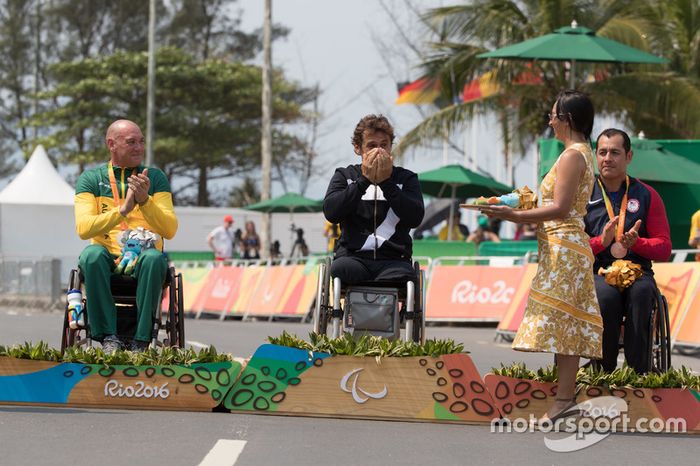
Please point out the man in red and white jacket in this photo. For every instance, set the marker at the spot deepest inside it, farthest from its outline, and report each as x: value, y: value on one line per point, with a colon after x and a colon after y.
x: 626, y: 219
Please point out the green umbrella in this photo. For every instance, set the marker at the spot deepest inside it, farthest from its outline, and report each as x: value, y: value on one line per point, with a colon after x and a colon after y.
x: 650, y: 162
x: 456, y: 181
x: 290, y: 202
x: 574, y: 44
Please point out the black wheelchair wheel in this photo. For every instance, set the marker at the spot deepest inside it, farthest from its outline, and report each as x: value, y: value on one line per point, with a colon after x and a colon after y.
x: 65, y: 334
x: 171, y: 327
x: 70, y: 336
x: 659, y: 341
x: 418, y: 316
x: 322, y: 311
x: 180, y: 313
x: 667, y: 325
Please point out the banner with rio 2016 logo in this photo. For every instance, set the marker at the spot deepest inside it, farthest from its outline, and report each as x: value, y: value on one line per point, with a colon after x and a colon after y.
x: 471, y: 292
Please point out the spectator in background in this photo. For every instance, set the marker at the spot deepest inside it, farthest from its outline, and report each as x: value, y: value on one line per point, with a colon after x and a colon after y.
x: 694, y: 240
x: 275, y: 252
x: 483, y: 232
x: 221, y: 240
x: 526, y: 232
x: 250, y: 242
x: 332, y: 232
x: 459, y: 232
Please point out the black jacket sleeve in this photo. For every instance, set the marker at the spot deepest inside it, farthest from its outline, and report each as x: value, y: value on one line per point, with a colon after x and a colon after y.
x: 407, y: 202
x: 342, y: 198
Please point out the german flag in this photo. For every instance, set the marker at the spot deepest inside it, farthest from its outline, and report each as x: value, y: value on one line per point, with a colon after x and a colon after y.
x: 420, y: 91
x: 485, y: 86
x: 480, y: 88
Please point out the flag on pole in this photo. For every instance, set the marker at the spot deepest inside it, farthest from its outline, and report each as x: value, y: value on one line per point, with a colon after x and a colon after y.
x: 420, y: 91
x: 486, y: 86
x: 480, y: 88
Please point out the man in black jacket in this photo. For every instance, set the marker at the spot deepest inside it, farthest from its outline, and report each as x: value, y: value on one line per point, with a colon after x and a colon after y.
x: 376, y: 205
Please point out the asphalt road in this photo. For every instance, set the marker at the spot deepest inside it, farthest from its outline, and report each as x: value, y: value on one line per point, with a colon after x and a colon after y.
x: 40, y: 436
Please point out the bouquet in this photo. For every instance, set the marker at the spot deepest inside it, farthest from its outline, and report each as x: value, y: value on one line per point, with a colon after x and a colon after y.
x: 621, y: 273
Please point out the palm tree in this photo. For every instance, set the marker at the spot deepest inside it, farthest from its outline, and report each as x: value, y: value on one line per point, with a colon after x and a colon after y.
x: 665, y: 102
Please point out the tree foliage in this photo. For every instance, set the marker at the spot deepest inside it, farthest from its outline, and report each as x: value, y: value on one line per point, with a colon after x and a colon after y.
x: 662, y: 101
x: 207, y: 117
x: 70, y: 67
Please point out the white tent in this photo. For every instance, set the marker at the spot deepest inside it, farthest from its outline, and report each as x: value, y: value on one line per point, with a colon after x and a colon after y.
x: 38, y: 183
x: 36, y: 214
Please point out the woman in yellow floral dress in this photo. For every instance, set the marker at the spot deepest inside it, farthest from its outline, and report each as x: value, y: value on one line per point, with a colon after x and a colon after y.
x: 562, y: 314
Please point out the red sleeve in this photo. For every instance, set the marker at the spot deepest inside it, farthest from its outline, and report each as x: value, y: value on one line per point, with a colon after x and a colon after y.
x: 657, y: 246
x: 597, y: 245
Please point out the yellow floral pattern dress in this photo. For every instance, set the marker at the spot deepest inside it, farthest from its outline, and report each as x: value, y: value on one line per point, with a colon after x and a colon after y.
x: 562, y: 314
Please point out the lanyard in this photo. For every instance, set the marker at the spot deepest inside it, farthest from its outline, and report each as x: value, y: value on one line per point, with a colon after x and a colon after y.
x: 623, y: 208
x: 115, y: 191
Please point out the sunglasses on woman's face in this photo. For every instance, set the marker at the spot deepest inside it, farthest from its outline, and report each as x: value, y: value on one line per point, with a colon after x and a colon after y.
x: 559, y: 116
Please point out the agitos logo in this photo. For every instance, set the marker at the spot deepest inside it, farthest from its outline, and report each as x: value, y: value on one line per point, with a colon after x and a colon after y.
x: 355, y: 389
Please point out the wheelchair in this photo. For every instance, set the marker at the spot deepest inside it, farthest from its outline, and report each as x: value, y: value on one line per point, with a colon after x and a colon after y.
x: 330, y: 313
x: 659, y: 349
x: 659, y: 336
x: 172, y: 323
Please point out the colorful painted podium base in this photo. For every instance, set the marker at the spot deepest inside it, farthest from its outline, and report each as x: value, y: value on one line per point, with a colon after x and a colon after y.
x: 295, y: 382
x: 199, y: 387
x: 526, y: 399
x: 289, y: 381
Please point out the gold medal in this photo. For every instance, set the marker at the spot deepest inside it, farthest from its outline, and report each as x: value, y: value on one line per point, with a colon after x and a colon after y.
x: 618, y: 251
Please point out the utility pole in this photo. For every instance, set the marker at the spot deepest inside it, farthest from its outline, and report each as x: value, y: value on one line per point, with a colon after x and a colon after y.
x: 37, y: 64
x: 266, y: 140
x: 150, y: 101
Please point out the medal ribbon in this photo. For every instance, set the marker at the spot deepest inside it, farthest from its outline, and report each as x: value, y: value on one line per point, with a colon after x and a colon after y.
x: 623, y: 208
x: 115, y: 191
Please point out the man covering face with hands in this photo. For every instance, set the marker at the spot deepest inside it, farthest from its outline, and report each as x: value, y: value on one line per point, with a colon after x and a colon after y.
x: 376, y: 205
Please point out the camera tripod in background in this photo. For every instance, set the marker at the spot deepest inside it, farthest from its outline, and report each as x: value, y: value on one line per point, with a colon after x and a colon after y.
x: 300, y: 248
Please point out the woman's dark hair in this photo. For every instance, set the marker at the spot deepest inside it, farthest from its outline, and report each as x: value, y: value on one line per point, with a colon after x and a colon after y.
x: 576, y: 108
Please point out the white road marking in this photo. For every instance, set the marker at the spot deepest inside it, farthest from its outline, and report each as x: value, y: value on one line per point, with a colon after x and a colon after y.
x: 225, y: 452
x: 196, y: 344
x: 12, y: 313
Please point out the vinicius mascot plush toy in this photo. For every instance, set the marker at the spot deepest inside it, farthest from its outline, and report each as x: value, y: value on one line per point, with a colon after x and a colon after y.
x: 133, y: 242
x: 130, y: 254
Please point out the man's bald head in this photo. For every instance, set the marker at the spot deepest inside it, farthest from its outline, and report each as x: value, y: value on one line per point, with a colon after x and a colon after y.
x: 118, y: 126
x: 125, y: 143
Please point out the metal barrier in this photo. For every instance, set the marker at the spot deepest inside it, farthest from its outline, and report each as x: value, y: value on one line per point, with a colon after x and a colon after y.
x: 30, y: 282
x: 683, y: 255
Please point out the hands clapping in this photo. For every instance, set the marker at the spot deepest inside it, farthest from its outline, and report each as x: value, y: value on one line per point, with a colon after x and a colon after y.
x: 630, y: 237
x: 139, y: 185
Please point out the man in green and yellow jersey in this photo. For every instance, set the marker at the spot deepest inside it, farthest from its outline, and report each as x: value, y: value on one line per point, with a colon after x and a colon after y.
x: 119, y: 195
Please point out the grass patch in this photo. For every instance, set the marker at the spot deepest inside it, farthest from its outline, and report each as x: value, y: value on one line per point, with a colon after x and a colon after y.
x: 165, y: 356
x: 623, y: 377
x: 367, y: 345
